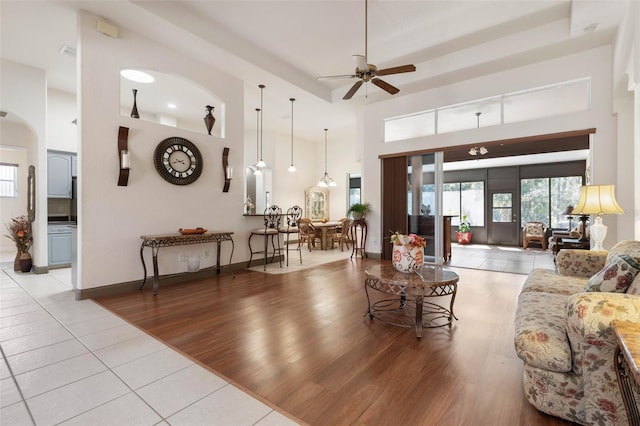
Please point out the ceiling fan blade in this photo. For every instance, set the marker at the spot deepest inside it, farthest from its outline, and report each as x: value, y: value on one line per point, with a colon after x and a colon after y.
x: 361, y: 62
x: 353, y: 90
x: 328, y: 77
x: 397, y: 70
x: 385, y: 86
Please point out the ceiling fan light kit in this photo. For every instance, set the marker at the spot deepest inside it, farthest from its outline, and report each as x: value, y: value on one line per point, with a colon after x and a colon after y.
x: 368, y: 72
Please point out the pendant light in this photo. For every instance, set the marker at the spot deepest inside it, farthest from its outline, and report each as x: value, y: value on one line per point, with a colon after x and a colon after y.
x: 292, y: 168
x: 256, y: 170
x: 326, y: 180
x: 261, y: 163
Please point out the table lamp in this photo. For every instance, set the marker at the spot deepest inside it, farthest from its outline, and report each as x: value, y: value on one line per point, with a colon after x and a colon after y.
x: 597, y: 200
x: 569, y: 214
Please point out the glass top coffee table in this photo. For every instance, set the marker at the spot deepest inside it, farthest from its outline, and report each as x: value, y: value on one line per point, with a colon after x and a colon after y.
x: 399, y: 298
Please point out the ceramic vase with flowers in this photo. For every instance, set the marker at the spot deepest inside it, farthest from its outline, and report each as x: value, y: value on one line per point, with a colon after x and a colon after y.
x: 20, y: 232
x: 408, y: 252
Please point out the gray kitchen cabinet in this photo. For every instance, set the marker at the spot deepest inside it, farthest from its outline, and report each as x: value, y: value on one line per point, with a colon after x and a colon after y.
x: 59, y: 174
x: 74, y: 165
x: 59, y: 242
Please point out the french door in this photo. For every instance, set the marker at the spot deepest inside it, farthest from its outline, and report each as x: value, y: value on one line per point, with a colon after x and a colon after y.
x: 503, y: 218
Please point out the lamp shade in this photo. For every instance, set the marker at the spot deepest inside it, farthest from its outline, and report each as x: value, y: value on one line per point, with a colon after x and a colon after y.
x: 597, y: 199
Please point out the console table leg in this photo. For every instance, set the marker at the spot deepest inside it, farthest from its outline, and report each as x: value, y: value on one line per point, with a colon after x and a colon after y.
x: 144, y: 267
x: 154, y: 251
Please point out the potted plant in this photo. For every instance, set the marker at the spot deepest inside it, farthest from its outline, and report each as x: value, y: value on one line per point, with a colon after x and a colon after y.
x: 464, y: 230
x: 359, y: 210
x: 20, y: 232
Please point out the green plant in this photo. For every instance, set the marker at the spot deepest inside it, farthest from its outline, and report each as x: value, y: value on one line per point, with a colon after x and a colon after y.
x: 360, y: 209
x: 465, y: 224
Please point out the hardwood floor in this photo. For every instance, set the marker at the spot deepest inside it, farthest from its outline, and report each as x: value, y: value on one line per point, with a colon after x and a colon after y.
x: 300, y: 341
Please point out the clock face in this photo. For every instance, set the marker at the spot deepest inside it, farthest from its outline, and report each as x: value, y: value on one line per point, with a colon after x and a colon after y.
x: 178, y: 161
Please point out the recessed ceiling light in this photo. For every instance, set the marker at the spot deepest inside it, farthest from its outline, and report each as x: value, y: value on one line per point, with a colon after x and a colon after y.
x: 137, y: 76
x: 171, y: 105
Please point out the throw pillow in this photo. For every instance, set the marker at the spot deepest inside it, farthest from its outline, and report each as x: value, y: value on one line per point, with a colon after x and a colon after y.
x: 616, y: 276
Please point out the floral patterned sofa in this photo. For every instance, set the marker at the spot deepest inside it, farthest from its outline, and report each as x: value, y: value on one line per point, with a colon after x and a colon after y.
x: 564, y: 337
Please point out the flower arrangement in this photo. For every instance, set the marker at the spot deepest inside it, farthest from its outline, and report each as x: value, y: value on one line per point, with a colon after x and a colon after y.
x: 408, y: 252
x: 20, y: 232
x: 411, y: 240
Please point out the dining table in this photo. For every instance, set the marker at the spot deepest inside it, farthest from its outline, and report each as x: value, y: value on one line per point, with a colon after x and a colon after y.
x: 324, y: 228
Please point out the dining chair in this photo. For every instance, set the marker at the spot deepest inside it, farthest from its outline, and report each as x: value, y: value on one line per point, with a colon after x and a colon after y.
x: 307, y: 233
x: 272, y: 217
x: 293, y: 216
x: 343, y: 234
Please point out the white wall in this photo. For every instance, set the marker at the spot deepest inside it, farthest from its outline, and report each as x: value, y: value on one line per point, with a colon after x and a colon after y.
x: 112, y: 218
x: 15, y: 140
x: 23, y: 91
x: 62, y: 134
x: 595, y: 63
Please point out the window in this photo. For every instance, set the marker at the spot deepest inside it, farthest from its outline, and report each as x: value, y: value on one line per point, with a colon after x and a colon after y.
x: 546, y: 199
x: 464, y: 198
x: 502, y: 208
x: 531, y: 104
x: 8, y: 180
x: 354, y: 189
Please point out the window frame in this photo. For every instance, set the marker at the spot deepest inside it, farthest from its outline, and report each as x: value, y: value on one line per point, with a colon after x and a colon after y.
x: 12, y: 181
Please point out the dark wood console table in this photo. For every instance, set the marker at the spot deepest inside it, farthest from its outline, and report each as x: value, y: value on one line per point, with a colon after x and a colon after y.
x: 177, y: 239
x: 627, y: 361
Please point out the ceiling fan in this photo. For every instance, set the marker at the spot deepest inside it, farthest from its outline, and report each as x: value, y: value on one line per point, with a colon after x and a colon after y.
x: 368, y: 72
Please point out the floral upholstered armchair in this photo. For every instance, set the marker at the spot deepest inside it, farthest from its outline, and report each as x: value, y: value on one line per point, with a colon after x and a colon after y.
x: 534, y: 231
x: 564, y: 336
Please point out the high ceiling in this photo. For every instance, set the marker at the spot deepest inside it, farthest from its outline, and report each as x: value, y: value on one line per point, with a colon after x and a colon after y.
x: 287, y: 44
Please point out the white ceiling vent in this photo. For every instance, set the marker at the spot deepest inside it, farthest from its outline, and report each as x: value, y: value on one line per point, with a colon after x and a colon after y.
x: 107, y: 28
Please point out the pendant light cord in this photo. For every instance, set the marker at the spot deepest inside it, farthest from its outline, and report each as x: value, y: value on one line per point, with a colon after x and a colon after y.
x: 325, y: 152
x: 261, y: 114
x: 257, y: 134
x: 292, y: 168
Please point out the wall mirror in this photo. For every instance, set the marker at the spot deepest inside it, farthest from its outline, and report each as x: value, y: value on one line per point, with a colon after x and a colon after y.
x: 259, y: 189
x: 316, y: 203
x: 171, y: 101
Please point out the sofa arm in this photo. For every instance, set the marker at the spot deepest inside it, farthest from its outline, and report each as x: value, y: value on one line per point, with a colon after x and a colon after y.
x: 589, y: 316
x: 593, y: 342
x: 580, y: 263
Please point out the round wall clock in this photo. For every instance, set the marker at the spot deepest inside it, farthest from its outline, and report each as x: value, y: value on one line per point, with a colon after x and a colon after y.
x: 178, y: 161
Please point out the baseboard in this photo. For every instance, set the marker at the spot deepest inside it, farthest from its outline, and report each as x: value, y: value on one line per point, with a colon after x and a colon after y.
x: 164, y: 280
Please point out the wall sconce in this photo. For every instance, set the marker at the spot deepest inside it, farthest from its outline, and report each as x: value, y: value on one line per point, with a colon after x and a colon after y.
x: 123, y: 155
x: 228, y: 170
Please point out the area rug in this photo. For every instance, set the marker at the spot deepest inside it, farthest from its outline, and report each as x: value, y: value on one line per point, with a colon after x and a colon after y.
x: 310, y: 259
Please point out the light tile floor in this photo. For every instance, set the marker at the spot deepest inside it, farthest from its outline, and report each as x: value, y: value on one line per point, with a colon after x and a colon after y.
x: 71, y: 362
x: 515, y: 260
